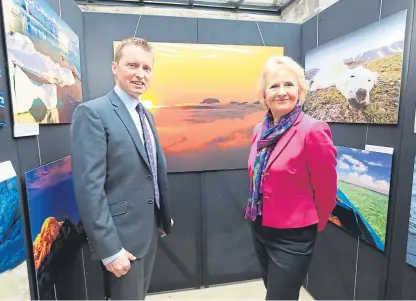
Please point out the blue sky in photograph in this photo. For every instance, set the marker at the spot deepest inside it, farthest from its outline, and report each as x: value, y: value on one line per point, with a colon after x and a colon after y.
x: 51, y: 13
x: 45, y: 28
x: 51, y: 193
x: 373, y: 36
x: 371, y: 170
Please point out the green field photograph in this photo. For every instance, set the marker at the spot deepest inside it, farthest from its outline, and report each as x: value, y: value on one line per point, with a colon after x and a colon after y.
x: 363, y: 194
x: 357, y: 78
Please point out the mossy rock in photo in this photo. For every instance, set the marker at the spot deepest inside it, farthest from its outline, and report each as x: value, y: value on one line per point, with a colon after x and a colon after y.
x: 329, y: 105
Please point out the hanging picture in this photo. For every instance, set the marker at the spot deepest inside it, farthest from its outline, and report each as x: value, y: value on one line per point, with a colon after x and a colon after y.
x: 54, y: 222
x: 2, y: 108
x: 411, y: 235
x: 206, y: 112
x: 14, y: 277
x: 44, y: 63
x: 362, y: 199
x: 357, y: 78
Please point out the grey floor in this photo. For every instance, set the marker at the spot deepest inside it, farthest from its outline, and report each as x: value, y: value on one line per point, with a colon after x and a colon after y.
x: 249, y: 290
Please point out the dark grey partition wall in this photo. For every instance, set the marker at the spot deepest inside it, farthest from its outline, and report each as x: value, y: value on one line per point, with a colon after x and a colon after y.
x: 402, y: 276
x: 343, y: 266
x: 208, y: 207
x: 9, y: 151
x: 52, y: 143
x: 228, y: 252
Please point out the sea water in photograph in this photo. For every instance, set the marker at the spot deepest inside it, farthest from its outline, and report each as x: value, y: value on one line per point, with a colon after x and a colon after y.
x: 14, y: 278
x: 357, y: 78
x: 411, y: 238
x: 2, y: 106
x: 205, y: 113
x: 44, y: 63
x: 363, y: 194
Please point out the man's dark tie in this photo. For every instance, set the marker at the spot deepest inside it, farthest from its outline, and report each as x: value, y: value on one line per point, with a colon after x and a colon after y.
x: 149, y: 150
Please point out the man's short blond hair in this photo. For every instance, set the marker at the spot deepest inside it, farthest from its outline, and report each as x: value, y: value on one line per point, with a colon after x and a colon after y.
x: 280, y: 61
x: 139, y: 42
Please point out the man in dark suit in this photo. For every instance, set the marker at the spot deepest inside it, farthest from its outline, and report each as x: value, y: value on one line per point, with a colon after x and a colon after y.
x: 119, y: 173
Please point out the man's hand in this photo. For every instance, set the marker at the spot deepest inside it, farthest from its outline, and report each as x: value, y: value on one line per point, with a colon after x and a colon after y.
x: 121, y: 265
x: 171, y: 223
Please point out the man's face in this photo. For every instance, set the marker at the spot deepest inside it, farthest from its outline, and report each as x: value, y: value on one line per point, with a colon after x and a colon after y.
x: 133, y: 72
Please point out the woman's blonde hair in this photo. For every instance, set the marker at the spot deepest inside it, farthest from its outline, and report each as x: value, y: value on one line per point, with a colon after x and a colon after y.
x: 280, y: 61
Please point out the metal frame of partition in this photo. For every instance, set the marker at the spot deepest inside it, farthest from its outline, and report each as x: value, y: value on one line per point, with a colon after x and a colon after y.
x: 274, y: 7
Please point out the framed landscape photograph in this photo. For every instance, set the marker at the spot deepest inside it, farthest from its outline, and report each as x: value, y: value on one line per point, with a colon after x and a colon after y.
x: 362, y: 199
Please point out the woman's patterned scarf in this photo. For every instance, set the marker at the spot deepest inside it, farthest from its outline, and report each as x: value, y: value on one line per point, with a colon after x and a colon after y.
x: 270, y: 134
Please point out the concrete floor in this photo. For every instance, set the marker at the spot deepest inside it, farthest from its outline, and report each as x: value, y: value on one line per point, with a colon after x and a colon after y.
x: 249, y: 290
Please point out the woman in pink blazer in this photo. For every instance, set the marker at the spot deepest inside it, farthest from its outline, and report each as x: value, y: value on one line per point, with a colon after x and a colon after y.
x: 293, y: 180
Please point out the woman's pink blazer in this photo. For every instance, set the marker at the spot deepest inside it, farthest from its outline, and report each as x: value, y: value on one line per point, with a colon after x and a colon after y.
x: 300, y: 180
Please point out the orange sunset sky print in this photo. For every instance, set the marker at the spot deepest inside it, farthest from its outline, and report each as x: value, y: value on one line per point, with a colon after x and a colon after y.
x: 204, y: 100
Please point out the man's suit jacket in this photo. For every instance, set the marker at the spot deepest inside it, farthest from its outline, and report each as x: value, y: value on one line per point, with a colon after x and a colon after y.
x: 112, y: 178
x: 300, y: 180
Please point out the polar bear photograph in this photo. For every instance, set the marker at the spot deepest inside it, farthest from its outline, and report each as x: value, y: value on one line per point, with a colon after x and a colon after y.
x: 357, y: 78
x: 354, y: 84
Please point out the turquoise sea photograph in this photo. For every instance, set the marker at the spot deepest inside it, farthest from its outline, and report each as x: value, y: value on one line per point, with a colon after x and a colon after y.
x: 362, y: 199
x: 14, y: 279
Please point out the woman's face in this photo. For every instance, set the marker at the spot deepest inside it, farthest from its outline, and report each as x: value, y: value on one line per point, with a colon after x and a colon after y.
x: 282, y: 92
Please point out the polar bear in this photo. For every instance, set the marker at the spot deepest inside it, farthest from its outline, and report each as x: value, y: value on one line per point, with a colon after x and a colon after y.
x: 355, y: 84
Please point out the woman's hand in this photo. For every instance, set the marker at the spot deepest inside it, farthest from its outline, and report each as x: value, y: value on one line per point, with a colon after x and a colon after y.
x: 321, y: 160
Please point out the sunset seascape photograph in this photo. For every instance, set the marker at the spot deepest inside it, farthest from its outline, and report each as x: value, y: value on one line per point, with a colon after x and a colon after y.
x: 205, y: 104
